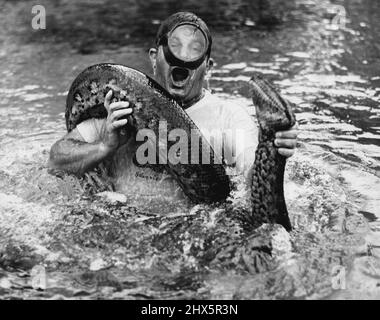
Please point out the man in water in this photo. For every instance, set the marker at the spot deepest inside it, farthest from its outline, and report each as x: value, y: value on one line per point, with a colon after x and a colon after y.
x: 180, y: 61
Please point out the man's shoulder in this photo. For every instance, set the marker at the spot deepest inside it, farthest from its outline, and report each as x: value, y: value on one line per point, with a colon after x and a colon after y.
x: 213, y: 101
x: 227, y: 105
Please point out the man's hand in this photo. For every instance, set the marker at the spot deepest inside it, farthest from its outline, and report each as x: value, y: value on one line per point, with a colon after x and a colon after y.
x: 286, y: 141
x: 111, y: 138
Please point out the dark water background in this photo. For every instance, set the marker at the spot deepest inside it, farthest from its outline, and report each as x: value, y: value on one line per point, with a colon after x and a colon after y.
x: 328, y: 67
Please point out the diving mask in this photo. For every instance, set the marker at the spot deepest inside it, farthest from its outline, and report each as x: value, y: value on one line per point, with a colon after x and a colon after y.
x: 185, y: 46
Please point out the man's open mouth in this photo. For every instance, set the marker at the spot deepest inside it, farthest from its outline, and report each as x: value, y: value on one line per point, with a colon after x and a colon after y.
x: 180, y: 76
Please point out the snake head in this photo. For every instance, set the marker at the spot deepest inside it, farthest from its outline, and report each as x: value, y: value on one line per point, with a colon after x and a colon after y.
x: 272, y: 111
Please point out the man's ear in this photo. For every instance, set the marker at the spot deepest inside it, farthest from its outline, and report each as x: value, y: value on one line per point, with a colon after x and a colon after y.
x: 210, y: 65
x: 153, y: 58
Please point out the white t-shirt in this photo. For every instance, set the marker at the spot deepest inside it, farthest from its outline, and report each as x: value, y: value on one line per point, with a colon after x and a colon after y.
x: 228, y: 127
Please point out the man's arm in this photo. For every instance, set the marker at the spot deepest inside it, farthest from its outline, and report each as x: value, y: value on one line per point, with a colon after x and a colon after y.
x: 285, y: 141
x: 239, y: 119
x: 75, y: 155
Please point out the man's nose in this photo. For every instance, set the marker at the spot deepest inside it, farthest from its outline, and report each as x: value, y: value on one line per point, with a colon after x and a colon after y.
x: 184, y: 53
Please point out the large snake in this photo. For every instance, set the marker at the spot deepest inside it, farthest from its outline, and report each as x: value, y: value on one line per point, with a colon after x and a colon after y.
x: 267, y: 180
x: 200, y: 182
